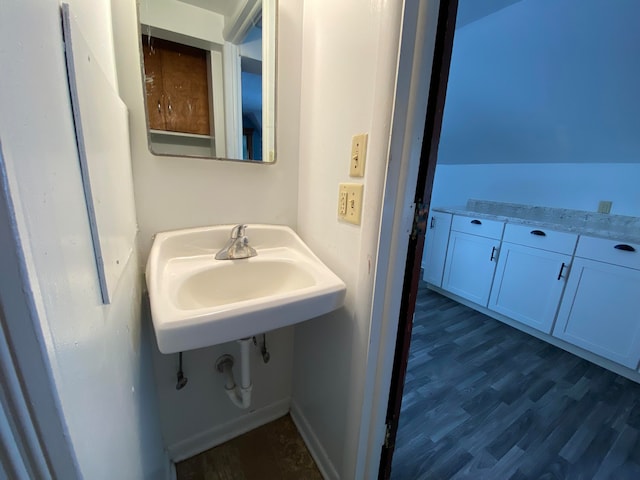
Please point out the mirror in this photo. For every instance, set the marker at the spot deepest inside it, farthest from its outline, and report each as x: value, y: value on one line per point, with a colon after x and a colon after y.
x: 209, y: 77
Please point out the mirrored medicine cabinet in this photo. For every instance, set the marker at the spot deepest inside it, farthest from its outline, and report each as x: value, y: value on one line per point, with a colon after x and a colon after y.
x: 209, y: 77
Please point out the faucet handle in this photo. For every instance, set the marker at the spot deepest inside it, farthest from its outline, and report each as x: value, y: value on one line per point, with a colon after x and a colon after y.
x: 238, y: 230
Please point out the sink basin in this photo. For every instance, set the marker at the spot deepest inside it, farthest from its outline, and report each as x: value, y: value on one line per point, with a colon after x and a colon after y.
x: 198, y: 301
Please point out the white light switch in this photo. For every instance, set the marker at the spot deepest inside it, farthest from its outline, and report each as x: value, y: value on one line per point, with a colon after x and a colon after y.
x: 358, y: 155
x: 350, y: 202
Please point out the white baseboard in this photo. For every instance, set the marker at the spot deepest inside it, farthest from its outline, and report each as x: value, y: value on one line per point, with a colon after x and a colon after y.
x: 316, y: 449
x: 221, y: 433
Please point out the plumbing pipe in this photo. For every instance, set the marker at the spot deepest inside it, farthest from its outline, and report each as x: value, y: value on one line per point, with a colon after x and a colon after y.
x: 245, y: 363
x: 240, y: 395
x: 263, y: 349
x: 224, y: 365
x: 182, y: 380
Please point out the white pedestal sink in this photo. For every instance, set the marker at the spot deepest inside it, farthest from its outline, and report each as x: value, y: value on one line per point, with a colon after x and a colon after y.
x: 198, y: 301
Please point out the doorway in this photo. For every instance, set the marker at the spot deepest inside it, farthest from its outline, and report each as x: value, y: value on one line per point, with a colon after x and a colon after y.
x: 433, y: 123
x: 34, y: 442
x: 412, y: 272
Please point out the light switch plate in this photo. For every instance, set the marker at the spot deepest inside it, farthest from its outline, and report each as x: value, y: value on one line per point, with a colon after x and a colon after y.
x: 350, y: 202
x: 358, y: 155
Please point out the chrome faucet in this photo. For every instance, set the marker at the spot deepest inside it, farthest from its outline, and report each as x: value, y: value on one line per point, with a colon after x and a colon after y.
x: 237, y: 246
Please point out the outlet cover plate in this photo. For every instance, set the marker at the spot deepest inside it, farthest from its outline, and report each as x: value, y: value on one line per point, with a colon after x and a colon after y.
x: 350, y: 202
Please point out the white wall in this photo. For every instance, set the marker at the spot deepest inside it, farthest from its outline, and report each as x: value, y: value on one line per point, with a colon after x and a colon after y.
x: 542, y: 108
x: 174, y: 193
x: 99, y: 354
x: 348, y: 73
x: 183, y: 19
x: 567, y: 185
x: 545, y: 81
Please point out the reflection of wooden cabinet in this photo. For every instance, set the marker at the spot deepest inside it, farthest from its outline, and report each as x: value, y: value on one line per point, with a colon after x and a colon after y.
x: 176, y: 83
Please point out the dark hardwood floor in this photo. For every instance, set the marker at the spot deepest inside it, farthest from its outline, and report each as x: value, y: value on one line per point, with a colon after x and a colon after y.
x: 483, y: 400
x: 274, y: 451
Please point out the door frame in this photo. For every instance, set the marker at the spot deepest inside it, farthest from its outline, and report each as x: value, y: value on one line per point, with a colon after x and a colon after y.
x: 35, y: 441
x: 423, y: 68
x: 424, y: 186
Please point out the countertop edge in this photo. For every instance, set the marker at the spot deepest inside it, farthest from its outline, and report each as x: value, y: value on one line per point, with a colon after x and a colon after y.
x: 633, y: 237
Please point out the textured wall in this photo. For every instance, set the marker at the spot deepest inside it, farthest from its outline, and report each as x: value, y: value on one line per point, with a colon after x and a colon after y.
x: 99, y: 354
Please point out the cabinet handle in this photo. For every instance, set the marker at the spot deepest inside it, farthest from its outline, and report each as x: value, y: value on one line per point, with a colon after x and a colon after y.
x: 170, y: 108
x: 538, y: 233
x: 493, y: 251
x: 476, y: 222
x: 433, y: 222
x: 159, y: 107
x: 561, y: 269
x: 625, y: 247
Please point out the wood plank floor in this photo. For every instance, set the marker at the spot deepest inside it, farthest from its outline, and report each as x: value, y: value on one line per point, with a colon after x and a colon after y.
x: 485, y: 401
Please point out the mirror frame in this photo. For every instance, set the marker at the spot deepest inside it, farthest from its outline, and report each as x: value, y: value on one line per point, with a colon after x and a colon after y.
x: 269, y: 14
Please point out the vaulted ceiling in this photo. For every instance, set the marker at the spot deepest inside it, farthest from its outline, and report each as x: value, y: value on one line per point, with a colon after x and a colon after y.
x: 471, y: 10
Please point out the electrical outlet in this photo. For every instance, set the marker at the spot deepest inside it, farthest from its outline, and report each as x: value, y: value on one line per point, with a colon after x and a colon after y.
x: 358, y: 155
x: 342, y: 203
x: 604, y: 206
x: 350, y: 202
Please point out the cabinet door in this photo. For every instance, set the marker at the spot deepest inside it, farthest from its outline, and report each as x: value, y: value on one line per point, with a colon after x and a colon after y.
x: 528, y: 285
x: 154, y: 90
x: 600, y: 311
x: 185, y: 81
x: 435, y: 247
x: 177, y: 86
x: 470, y: 264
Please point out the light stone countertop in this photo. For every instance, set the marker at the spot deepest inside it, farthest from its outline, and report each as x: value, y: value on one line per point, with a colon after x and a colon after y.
x: 613, y: 227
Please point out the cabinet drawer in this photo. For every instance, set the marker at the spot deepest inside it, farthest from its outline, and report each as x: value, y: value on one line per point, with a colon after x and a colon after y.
x: 605, y: 250
x: 478, y: 226
x: 543, y: 238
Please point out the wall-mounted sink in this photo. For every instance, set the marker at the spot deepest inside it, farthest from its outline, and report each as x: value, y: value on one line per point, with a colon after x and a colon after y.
x: 198, y: 301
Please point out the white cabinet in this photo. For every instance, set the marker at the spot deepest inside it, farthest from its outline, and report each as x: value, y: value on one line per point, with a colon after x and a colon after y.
x: 600, y: 309
x: 582, y: 290
x: 435, y: 247
x: 531, y: 274
x: 471, y: 257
